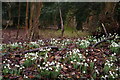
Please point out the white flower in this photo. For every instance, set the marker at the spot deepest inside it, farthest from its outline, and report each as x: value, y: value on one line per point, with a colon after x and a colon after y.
x: 95, y: 60
x: 61, y: 66
x: 57, y: 66
x: 88, y: 59
x: 12, y: 64
x: 75, y: 60
x: 78, y: 63
x: 47, y: 69
x: 46, y: 65
x: 5, y: 67
x: 97, y: 71
x: 71, y: 61
x: 114, y: 44
x: 56, y: 70
x: 116, y: 74
x: 95, y: 67
x: 83, y: 71
x: 3, y: 61
x: 25, y: 76
x: 81, y: 63
x: 38, y: 65
x: 44, y: 62
x: 50, y: 68
x: 17, y: 65
x: 86, y: 64
x: 106, y: 75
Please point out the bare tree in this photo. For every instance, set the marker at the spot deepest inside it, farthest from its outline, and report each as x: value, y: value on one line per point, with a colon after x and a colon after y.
x: 18, y: 20
x: 34, y: 19
x: 26, y: 19
x: 61, y: 20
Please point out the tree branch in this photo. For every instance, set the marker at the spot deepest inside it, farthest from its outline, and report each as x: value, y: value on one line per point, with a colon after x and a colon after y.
x: 104, y: 40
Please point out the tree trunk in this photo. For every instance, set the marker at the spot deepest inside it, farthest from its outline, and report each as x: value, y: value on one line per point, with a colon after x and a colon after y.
x: 34, y: 20
x: 18, y: 21
x: 9, y: 15
x: 26, y: 19
x: 107, y: 17
x: 62, y: 26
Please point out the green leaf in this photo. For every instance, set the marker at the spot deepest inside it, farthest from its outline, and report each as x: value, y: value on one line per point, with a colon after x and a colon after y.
x: 94, y: 75
x: 91, y: 65
x: 106, y: 68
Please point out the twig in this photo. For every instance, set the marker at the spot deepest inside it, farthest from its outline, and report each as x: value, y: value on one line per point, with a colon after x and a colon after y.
x: 105, y: 30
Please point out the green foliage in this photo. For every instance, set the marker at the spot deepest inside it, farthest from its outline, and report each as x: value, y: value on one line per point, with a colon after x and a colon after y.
x: 28, y: 63
x: 91, y: 65
x: 115, y: 49
x: 106, y: 68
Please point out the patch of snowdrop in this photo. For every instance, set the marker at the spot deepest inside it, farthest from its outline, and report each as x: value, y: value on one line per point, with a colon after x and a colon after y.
x: 114, y: 44
x: 33, y: 56
x: 84, y: 43
x: 1, y: 47
x: 14, y: 44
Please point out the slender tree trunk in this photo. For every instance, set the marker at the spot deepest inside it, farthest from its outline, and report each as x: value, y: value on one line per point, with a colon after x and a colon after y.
x: 62, y: 26
x: 26, y: 19
x: 9, y: 14
x: 34, y: 20
x: 18, y: 21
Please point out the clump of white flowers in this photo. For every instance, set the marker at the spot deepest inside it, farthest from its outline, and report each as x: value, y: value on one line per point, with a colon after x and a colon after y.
x: 0, y: 46
x: 84, y: 43
x: 33, y: 56
x: 14, y: 45
x: 114, y: 44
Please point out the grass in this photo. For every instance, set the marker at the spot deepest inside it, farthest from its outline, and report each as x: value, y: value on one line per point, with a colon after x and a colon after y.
x: 68, y: 33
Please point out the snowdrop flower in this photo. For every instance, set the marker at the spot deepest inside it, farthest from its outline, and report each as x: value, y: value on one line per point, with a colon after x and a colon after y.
x: 81, y: 63
x: 5, y: 67
x: 88, y: 59
x: 61, y: 65
x: 56, y: 70
x: 47, y: 69
x: 86, y: 64
x: 38, y: 65
x: 74, y: 60
x: 86, y: 50
x: 95, y: 67
x: 25, y: 76
x: 20, y: 43
x: 8, y: 65
x: 86, y: 53
x: 44, y: 62
x: 0, y: 46
x: 106, y: 75
x: 12, y: 64
x: 111, y: 64
x: 71, y: 61
x: 116, y: 75
x: 78, y: 63
x: 110, y: 73
x: 97, y: 71
x: 84, y: 72
x: 83, y: 60
x: 3, y: 61
x: 46, y: 65
x: 114, y: 44
x: 114, y: 53
x: 103, y: 77
x: 95, y: 60
x: 21, y: 68
x: 17, y: 65
x: 50, y: 68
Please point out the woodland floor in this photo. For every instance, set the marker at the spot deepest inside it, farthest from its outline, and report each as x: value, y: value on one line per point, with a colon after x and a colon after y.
x: 63, y: 58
